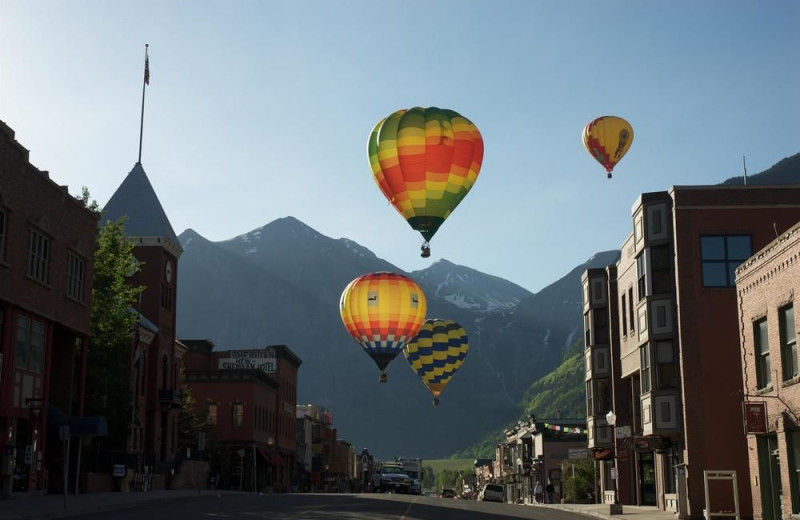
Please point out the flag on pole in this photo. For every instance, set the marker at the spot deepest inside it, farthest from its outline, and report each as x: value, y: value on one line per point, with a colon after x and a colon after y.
x: 146, y: 68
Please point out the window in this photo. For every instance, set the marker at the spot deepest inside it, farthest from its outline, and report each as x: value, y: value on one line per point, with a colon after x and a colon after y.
x: 641, y: 276
x: 603, y: 395
x: 666, y: 374
x: 600, y: 326
x: 788, y: 342
x: 661, y: 279
x: 75, y: 277
x: 721, y: 255
x: 212, y: 413
x: 38, y: 256
x: 237, y: 415
x: 645, y: 357
x: 624, y: 315
x: 2, y: 235
x: 630, y: 305
x: 30, y: 344
x: 589, y: 400
x: 761, y: 343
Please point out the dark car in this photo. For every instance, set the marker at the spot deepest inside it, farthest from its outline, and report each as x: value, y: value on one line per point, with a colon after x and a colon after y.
x: 448, y: 493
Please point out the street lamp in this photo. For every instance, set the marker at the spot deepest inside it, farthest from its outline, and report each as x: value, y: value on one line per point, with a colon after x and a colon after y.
x: 611, y: 419
x: 270, y: 442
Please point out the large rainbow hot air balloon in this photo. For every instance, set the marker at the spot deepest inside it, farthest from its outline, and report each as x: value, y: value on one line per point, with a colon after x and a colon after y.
x: 437, y: 352
x: 608, y: 139
x: 425, y: 160
x: 382, y: 311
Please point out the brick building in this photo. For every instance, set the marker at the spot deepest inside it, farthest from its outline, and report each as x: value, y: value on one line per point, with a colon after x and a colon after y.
x: 659, y: 329
x: 153, y: 439
x: 251, y: 396
x: 47, y: 245
x: 768, y: 286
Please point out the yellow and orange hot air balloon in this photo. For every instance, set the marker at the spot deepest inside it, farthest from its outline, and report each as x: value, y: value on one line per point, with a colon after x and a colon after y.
x: 608, y: 139
x: 425, y: 160
x: 382, y: 312
x: 436, y: 353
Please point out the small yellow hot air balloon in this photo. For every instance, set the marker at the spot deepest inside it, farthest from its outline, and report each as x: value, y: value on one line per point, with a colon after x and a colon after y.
x: 436, y: 353
x: 382, y: 311
x: 608, y: 139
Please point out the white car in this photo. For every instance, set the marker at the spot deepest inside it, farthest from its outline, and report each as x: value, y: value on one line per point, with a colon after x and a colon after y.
x: 491, y: 493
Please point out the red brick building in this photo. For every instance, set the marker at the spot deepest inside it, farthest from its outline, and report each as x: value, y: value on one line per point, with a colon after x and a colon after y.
x: 47, y: 245
x: 251, y: 397
x: 153, y: 439
x: 768, y: 286
x: 671, y: 303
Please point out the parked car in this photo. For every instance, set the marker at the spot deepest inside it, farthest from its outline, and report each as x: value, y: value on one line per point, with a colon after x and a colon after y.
x: 491, y: 493
x: 448, y: 493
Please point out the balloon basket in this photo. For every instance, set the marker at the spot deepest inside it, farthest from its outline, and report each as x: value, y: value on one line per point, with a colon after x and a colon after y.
x: 609, y: 175
x: 435, y: 401
x: 426, y: 250
x: 382, y: 379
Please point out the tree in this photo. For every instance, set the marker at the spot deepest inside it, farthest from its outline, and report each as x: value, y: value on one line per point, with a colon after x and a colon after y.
x: 579, y: 488
x: 113, y: 323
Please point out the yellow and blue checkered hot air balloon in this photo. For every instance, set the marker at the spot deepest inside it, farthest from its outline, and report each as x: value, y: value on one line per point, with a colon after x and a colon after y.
x: 437, y: 352
x: 382, y: 311
x: 424, y: 161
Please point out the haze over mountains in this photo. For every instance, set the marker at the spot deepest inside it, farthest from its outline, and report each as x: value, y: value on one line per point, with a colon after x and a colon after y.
x: 281, y: 283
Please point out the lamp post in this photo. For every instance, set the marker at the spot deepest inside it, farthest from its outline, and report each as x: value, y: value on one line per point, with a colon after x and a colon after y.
x: 611, y: 418
x: 270, y: 442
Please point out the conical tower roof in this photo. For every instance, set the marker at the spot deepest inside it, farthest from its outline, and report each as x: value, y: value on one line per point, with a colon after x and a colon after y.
x: 136, y: 199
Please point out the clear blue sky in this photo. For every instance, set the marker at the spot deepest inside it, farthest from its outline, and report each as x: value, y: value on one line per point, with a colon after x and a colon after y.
x: 258, y: 110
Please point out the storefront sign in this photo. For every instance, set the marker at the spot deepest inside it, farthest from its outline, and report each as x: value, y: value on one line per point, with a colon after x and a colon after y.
x: 578, y: 453
x: 263, y: 360
x: 119, y: 470
x: 755, y: 417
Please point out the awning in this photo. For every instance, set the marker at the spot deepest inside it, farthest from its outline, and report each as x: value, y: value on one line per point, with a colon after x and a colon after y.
x: 272, y: 457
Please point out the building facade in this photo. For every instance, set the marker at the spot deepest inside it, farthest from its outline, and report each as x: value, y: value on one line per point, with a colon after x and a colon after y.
x: 250, y: 395
x: 671, y: 308
x: 535, y: 451
x: 768, y: 286
x: 153, y: 437
x: 47, y: 246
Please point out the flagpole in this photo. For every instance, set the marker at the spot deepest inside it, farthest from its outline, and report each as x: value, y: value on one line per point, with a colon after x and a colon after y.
x: 145, y: 82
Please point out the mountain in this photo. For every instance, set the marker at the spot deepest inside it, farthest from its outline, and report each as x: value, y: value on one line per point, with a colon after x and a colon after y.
x: 280, y: 284
x: 558, y: 394
x: 786, y: 171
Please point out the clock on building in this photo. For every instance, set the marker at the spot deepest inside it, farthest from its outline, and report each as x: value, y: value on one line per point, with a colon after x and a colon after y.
x: 168, y: 271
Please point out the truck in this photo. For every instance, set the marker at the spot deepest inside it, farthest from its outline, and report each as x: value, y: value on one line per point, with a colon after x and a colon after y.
x: 391, y: 477
x: 412, y: 467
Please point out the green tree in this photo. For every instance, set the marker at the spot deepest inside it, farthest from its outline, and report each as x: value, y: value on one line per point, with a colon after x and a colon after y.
x: 578, y: 488
x: 113, y: 322
x: 428, y: 477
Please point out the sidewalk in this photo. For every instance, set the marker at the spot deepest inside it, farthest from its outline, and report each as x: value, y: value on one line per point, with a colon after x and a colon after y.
x: 602, y: 511
x: 52, y: 506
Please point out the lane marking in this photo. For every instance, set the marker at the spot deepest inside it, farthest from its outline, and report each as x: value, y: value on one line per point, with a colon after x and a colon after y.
x: 413, y: 501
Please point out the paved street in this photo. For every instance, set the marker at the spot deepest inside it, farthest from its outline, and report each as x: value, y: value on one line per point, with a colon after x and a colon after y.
x: 204, y: 504
x: 333, y: 506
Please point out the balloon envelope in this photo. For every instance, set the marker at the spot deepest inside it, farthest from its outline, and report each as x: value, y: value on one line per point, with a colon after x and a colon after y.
x: 437, y: 352
x: 382, y: 311
x: 608, y: 139
x: 425, y: 160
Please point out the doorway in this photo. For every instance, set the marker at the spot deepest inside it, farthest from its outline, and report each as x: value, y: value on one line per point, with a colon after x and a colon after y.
x: 770, y: 475
x: 647, y: 479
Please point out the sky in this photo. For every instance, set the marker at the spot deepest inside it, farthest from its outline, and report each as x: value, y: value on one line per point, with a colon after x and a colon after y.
x: 258, y: 110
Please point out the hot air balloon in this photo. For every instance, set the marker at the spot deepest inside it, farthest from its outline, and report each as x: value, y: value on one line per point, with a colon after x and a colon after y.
x: 425, y: 160
x: 382, y: 311
x: 436, y: 353
x: 607, y: 139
